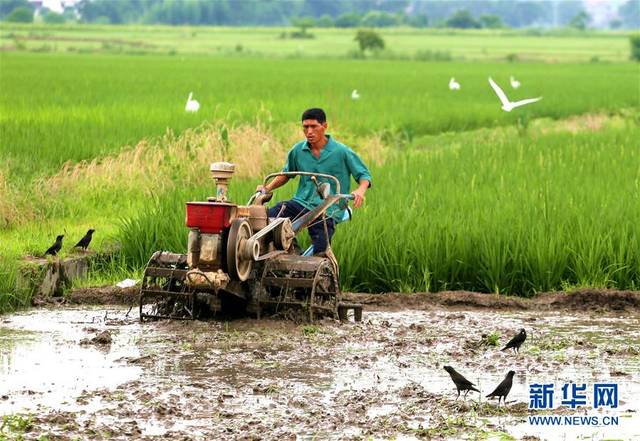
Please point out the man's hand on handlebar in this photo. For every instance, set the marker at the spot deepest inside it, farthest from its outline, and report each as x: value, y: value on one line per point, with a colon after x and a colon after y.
x: 358, y: 197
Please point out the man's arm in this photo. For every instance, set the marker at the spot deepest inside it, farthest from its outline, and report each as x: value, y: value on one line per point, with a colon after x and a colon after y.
x: 277, y: 182
x: 361, y: 173
x: 358, y: 194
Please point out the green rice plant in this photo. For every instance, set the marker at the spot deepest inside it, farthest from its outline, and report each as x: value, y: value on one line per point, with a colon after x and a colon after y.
x: 15, y: 425
x: 492, y: 339
x: 309, y: 330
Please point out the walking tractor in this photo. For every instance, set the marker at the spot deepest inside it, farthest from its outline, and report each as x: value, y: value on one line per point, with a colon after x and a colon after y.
x: 239, y: 261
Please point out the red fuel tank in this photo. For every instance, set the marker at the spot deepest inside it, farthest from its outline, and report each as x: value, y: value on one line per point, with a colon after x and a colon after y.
x: 209, y: 217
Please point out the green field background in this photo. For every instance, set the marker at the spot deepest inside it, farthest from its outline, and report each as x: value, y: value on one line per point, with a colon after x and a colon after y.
x: 465, y: 196
x: 73, y: 107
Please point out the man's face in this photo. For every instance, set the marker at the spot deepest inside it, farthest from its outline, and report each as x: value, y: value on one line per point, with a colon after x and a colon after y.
x: 313, y: 130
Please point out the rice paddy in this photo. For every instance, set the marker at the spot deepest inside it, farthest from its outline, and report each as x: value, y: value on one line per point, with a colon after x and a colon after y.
x: 264, y: 43
x: 465, y: 195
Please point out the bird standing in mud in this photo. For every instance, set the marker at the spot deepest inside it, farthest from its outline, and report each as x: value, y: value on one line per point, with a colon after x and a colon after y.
x: 516, y: 341
x: 86, y: 240
x: 503, y: 388
x: 57, y: 246
x: 462, y: 384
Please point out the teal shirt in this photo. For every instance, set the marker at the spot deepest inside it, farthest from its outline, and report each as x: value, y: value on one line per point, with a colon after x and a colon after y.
x: 335, y: 159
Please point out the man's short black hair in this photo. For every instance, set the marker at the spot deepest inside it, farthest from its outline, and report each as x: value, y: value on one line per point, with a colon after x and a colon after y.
x: 315, y: 113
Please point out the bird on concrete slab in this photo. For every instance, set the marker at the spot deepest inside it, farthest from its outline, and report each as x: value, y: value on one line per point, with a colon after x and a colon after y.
x: 503, y: 388
x: 86, y: 240
x: 462, y: 384
x: 57, y: 246
x: 516, y: 341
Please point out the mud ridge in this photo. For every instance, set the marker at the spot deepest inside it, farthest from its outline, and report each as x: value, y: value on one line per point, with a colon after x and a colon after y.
x: 579, y: 300
x: 106, y: 295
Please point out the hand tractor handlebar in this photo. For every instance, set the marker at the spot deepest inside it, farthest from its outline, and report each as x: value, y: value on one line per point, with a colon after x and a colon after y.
x: 322, y: 188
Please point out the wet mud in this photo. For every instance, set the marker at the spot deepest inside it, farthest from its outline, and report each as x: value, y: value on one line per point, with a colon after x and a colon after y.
x: 268, y: 379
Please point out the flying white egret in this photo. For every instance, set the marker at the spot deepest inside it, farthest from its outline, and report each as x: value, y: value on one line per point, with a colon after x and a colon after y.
x: 514, y: 83
x: 192, y: 105
x: 507, y: 105
x: 355, y: 95
x: 453, y: 84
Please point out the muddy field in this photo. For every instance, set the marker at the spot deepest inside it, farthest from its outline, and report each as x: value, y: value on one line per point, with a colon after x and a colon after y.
x: 63, y: 377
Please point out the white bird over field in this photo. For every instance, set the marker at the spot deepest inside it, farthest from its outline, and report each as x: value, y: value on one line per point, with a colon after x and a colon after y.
x: 514, y: 83
x: 192, y: 105
x: 507, y: 105
x: 453, y: 84
x: 355, y: 95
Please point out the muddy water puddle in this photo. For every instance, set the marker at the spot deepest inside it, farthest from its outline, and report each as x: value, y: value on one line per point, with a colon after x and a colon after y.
x: 270, y: 379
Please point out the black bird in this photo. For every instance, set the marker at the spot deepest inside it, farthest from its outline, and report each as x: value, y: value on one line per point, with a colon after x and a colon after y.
x: 503, y: 388
x: 516, y: 341
x: 57, y: 246
x: 84, y: 242
x: 462, y: 384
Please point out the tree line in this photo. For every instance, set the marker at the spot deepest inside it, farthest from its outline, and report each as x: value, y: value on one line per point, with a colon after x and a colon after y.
x: 328, y: 13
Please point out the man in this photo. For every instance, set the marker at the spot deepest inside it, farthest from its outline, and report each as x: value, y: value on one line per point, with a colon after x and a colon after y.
x: 320, y: 153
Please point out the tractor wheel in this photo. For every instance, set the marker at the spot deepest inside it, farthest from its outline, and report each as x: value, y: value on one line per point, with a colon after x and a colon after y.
x: 239, y: 268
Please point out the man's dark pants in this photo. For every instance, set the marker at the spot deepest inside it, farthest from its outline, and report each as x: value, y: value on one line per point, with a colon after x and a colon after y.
x: 294, y: 210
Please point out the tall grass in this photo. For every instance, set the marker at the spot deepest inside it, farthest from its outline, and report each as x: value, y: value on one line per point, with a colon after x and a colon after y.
x: 500, y: 213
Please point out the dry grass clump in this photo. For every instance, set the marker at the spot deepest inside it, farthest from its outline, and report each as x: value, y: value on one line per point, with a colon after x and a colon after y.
x: 158, y: 165
x: 590, y: 122
x: 7, y: 208
x: 14, y: 207
x: 373, y: 150
x: 168, y: 162
x: 150, y: 167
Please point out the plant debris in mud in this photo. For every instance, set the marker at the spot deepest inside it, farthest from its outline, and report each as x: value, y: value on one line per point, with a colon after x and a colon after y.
x: 103, y: 338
